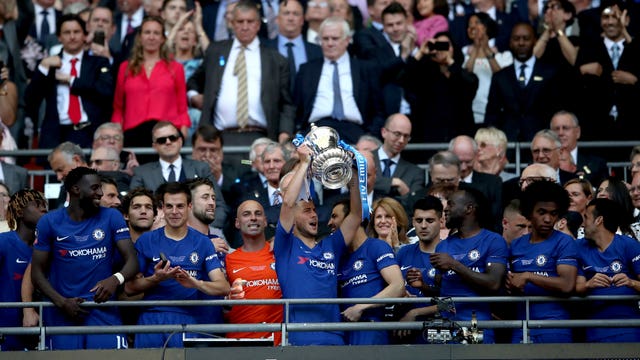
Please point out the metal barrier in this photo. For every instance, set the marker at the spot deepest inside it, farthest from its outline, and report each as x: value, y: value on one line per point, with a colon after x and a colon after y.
x: 287, y: 326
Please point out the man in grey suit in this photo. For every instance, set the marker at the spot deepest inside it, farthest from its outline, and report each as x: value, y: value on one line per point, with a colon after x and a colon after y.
x: 395, y: 176
x: 171, y: 166
x: 270, y: 108
x: 14, y: 177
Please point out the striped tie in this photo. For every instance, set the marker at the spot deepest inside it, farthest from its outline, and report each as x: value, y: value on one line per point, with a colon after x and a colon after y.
x: 240, y: 70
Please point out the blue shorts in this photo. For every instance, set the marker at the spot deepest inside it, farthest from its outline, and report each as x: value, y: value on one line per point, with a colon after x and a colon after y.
x: 158, y: 340
x: 97, y: 317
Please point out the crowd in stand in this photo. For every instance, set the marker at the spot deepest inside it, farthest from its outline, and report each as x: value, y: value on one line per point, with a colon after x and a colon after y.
x: 116, y: 75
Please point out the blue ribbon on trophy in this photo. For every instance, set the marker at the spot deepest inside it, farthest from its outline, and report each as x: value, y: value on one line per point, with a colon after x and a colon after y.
x: 332, y: 162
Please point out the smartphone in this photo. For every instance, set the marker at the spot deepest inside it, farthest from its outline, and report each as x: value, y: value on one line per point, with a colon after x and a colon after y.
x: 163, y: 259
x: 438, y: 46
x: 98, y: 37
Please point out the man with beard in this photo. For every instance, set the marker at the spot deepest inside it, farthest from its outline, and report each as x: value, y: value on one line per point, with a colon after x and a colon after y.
x: 368, y: 269
x: 609, y: 265
x: 25, y: 208
x: 73, y: 259
x: 306, y: 267
x: 139, y: 208
x: 251, y: 270
x: 543, y: 262
x: 176, y: 263
x: 414, y: 259
x: 471, y: 262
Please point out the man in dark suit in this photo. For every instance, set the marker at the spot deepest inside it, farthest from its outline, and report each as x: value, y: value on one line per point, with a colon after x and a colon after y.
x: 171, y: 166
x: 10, y: 45
x: 610, y: 69
x: 395, y: 176
x: 590, y: 167
x: 466, y: 149
x: 127, y: 19
x: 338, y: 91
x: 77, y: 88
x: 522, y: 96
x: 290, y: 42
x: 43, y: 27
x: 250, y: 109
x: 208, y: 147
x: 371, y: 43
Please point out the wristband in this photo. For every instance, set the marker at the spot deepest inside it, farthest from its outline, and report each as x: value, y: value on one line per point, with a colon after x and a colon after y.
x: 492, y: 55
x: 120, y: 277
x: 560, y: 33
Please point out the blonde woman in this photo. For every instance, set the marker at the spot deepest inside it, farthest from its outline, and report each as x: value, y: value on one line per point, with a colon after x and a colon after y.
x: 492, y: 152
x: 389, y: 222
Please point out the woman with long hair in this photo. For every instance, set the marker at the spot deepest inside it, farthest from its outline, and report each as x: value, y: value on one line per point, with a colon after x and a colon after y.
x: 389, y: 222
x: 430, y: 18
x: 150, y: 87
x: 616, y: 190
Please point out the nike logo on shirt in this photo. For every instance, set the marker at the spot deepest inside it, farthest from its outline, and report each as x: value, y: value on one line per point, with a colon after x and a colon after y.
x: 58, y: 238
x: 21, y: 261
x: 155, y: 259
x: 404, y: 267
x: 236, y: 270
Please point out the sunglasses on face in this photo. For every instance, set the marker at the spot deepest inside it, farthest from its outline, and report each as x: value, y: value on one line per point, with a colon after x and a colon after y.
x: 163, y: 139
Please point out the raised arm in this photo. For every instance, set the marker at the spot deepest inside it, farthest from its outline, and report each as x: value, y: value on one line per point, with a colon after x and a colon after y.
x: 291, y: 195
x: 352, y: 222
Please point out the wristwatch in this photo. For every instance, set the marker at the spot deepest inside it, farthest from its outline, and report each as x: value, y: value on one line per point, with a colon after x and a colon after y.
x: 491, y: 55
x: 560, y: 33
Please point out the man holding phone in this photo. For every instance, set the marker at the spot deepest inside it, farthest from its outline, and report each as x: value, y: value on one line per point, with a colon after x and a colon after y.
x: 100, y: 28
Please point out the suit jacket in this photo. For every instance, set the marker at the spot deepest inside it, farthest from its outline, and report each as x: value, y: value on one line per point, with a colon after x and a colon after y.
x: 149, y: 175
x: 365, y: 91
x: 520, y: 113
x: 15, y: 177
x: 95, y: 88
x: 411, y: 174
x: 370, y: 44
x: 313, y: 51
x: 593, y: 167
x: 600, y: 93
x: 121, y: 48
x: 51, y: 39
x: 276, y: 100
x: 15, y: 64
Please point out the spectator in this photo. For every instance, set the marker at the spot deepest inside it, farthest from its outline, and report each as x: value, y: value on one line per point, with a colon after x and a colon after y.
x: 609, y: 69
x: 389, y: 222
x: 543, y: 262
x: 634, y: 192
x: 190, y: 268
x: 466, y: 149
x: 444, y: 168
x: 255, y: 106
x: 514, y: 224
x: 62, y: 159
x: 150, y: 86
x: 104, y: 159
x: 251, y: 271
x: 317, y: 11
x: 482, y: 58
x: 66, y: 279
x: 357, y: 110
x: 580, y: 194
x: 101, y: 21
x: 556, y: 44
x: 521, y: 107
x: 316, y: 276
x: 565, y: 124
x: 15, y: 177
x: 396, y: 177
x: 368, y: 143
x: 492, y: 152
x: 430, y: 18
x: 342, y: 9
x: 171, y: 166
x: 171, y: 12
x: 290, y: 22
x: 26, y: 207
x: 616, y: 190
x: 5, y: 196
x: 609, y: 266
x: 77, y: 88
x: 110, y: 135
x: 414, y: 260
x: 571, y: 224
x: 188, y: 41
x: 546, y: 148
x: 635, y: 161
x: 444, y: 91
x: 371, y: 259
x: 139, y: 209
x: 43, y: 27
x: 472, y: 260
x: 8, y: 98
x: 128, y: 20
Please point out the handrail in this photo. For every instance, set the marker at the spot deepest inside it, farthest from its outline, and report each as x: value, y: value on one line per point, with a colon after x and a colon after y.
x: 285, y: 327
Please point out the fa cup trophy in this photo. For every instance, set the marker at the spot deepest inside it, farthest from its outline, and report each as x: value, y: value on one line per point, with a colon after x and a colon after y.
x: 330, y: 164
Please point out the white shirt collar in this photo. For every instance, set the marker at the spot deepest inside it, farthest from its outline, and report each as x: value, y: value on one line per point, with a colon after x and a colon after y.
x: 177, y: 164
x: 253, y: 45
x: 383, y: 155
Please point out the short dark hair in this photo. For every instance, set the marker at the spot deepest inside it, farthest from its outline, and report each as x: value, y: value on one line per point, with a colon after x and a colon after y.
x: 173, y: 188
x: 163, y: 123
x: 208, y: 133
x: 488, y: 22
x: 105, y: 179
x: 139, y: 191
x: 544, y: 191
x: 74, y: 176
x: 481, y: 205
x: 70, y: 17
x: 610, y: 211
x: 428, y: 202
x: 192, y: 184
x: 393, y: 9
x: 346, y: 205
x: 574, y: 221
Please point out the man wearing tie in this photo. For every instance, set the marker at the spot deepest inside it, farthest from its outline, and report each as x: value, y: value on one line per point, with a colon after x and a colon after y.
x: 77, y: 87
x: 610, y: 69
x: 290, y: 42
x: 250, y: 80
x: 524, y: 95
x: 338, y: 91
x: 44, y: 26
